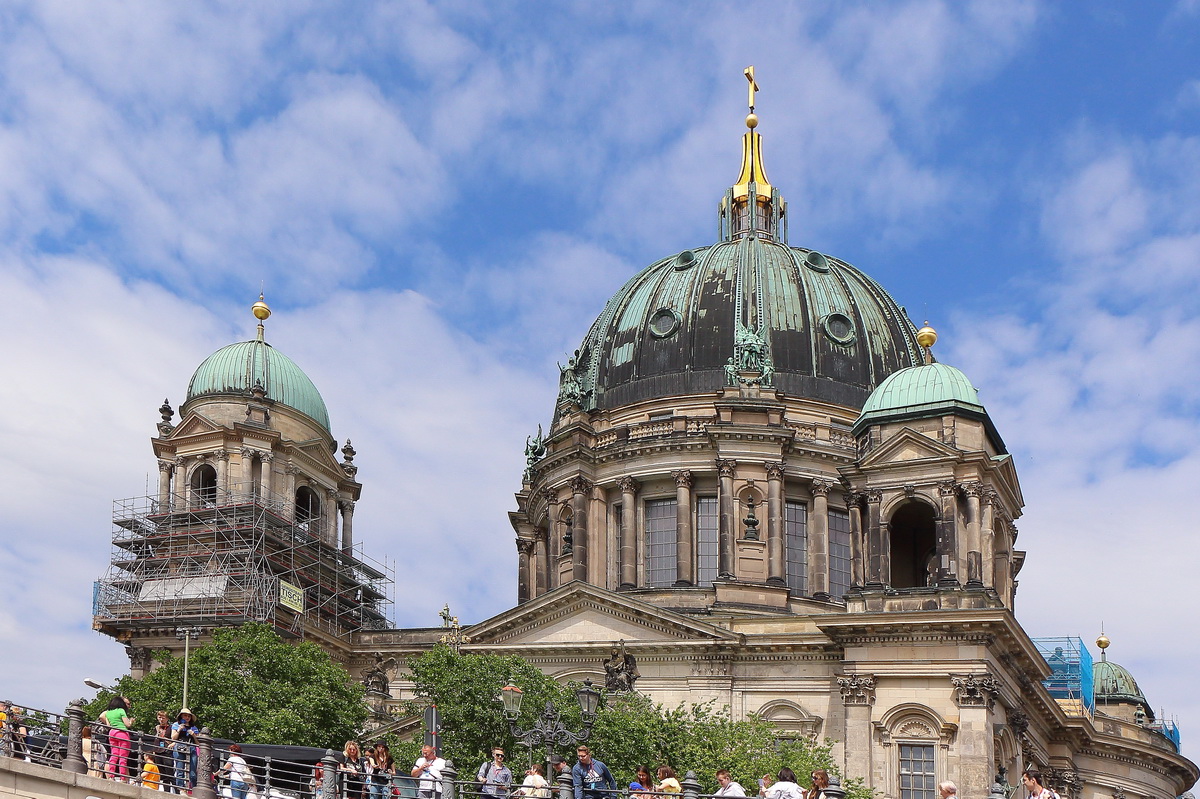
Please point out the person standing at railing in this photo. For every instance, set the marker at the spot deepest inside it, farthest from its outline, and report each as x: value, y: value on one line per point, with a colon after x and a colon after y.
x: 94, y: 753
x: 592, y: 778
x: 183, y: 737
x: 820, y: 781
x: 429, y: 768
x: 728, y: 786
x: 238, y: 772
x: 151, y: 777
x: 667, y: 781
x: 382, y: 768
x: 162, y: 751
x: 784, y: 788
x: 119, y: 721
x: 534, y: 786
x: 494, y: 777
x: 353, y: 767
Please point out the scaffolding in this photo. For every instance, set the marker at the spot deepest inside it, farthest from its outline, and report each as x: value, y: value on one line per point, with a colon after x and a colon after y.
x: 242, y: 555
x: 1070, y: 681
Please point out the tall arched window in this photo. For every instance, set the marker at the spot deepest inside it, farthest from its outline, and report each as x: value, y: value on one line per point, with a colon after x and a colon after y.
x: 795, y: 545
x: 912, y: 531
x: 204, y: 486
x: 308, y: 507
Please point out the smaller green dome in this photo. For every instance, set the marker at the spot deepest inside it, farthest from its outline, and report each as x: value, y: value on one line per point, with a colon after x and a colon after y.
x: 921, y: 392
x: 1114, y: 683
x: 931, y: 384
x: 236, y: 368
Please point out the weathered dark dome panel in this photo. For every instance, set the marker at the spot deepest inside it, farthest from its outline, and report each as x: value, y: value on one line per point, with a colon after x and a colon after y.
x: 831, y: 332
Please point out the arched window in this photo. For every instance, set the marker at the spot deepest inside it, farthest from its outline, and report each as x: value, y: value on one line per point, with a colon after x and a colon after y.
x: 308, y: 507
x: 204, y: 486
x: 913, y: 537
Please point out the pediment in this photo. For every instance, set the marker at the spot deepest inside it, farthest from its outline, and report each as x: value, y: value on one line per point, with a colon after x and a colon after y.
x: 195, y: 424
x: 318, y: 450
x: 579, y: 613
x: 907, y: 446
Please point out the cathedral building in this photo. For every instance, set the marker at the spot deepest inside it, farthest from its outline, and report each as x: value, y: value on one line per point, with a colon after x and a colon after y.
x: 757, y: 478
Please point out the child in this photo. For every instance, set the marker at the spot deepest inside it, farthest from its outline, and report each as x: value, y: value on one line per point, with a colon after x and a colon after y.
x: 150, y: 774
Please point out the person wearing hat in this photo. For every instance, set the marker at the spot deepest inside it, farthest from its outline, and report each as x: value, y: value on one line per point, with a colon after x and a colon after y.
x: 183, y: 733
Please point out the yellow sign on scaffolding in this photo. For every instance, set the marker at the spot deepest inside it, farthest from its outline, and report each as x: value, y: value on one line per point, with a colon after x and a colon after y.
x: 291, y: 596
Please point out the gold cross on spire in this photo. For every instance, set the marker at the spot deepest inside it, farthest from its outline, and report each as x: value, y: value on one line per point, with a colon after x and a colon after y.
x: 749, y: 73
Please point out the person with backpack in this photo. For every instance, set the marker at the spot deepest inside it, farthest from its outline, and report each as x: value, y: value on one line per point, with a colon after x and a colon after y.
x: 494, y: 777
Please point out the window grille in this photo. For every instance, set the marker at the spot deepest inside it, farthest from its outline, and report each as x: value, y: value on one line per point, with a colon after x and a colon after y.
x: 707, y: 545
x: 795, y: 542
x: 839, y: 553
x: 661, y: 564
x: 916, y: 772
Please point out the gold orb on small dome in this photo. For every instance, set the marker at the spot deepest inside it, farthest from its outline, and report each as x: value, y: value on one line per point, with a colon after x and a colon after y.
x: 1103, y: 641
x: 926, y: 336
x: 752, y: 121
x: 260, y: 309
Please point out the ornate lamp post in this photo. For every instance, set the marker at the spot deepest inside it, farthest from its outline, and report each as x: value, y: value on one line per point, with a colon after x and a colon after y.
x: 549, y: 729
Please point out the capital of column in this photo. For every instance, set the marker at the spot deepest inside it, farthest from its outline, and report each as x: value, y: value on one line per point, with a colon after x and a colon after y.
x: 250, y: 452
x: 775, y: 470
x: 857, y: 689
x: 346, y: 505
x: 581, y: 485
x: 820, y: 488
x: 291, y: 468
x: 874, y: 496
x: 972, y: 488
x: 947, y: 488
x: 975, y: 690
x: 628, y: 485
x: 221, y: 455
x: 165, y: 465
x: 726, y: 468
x: 332, y: 495
x: 550, y: 495
x: 525, y: 546
x: 266, y: 457
x: 991, y: 496
x: 179, y: 461
x: 683, y: 478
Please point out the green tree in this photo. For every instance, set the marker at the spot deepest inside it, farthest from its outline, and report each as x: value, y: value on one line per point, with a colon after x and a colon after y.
x: 252, y: 686
x: 630, y: 730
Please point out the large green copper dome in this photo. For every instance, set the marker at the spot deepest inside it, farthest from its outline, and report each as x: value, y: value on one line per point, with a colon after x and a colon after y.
x: 831, y: 332
x: 236, y: 368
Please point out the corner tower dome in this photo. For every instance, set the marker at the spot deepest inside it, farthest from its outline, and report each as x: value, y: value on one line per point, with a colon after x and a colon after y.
x: 820, y: 328
x: 237, y: 368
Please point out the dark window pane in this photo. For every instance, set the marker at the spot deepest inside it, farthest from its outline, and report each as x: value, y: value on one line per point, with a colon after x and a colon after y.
x: 839, y: 553
x: 795, y: 542
x: 706, y: 540
x: 660, y: 543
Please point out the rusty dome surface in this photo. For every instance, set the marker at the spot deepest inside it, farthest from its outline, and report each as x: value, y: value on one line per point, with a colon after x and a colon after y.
x: 832, y: 332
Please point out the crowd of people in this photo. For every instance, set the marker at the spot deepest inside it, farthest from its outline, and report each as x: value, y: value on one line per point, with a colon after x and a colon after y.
x: 168, y: 762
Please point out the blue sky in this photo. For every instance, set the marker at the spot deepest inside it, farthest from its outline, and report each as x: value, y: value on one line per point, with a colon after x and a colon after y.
x: 439, y: 198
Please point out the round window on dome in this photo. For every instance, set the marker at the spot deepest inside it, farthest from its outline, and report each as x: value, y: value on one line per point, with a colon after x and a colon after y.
x: 664, y: 323
x: 817, y: 262
x: 685, y: 260
x: 839, y: 328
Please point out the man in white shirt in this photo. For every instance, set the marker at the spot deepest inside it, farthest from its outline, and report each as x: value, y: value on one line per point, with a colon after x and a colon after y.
x: 429, y: 769
x: 728, y: 786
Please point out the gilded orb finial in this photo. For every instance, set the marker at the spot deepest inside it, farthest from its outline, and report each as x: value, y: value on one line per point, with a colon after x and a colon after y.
x: 927, y: 336
x: 1103, y: 641
x: 260, y: 309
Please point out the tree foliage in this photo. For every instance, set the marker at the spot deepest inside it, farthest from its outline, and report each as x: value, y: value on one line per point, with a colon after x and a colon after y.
x: 630, y: 730
x: 251, y: 686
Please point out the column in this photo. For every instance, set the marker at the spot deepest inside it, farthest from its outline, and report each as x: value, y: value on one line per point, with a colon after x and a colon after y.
x: 331, y: 517
x: 728, y: 520
x: 629, y: 488
x: 685, y: 558
x: 857, y: 563
x: 164, y: 483
x: 879, y: 545
x: 265, y: 459
x: 289, y: 476
x: 858, y: 694
x: 181, y: 486
x: 346, y: 506
x: 524, y: 550
x: 974, y: 490
x: 988, y: 538
x: 581, y: 488
x: 542, y: 578
x: 246, y: 485
x: 947, y: 532
x: 818, y: 541
x: 775, y: 561
x: 222, y: 459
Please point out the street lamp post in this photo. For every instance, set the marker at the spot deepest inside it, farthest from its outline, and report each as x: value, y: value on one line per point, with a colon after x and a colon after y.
x: 548, y: 728
x: 186, y: 634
